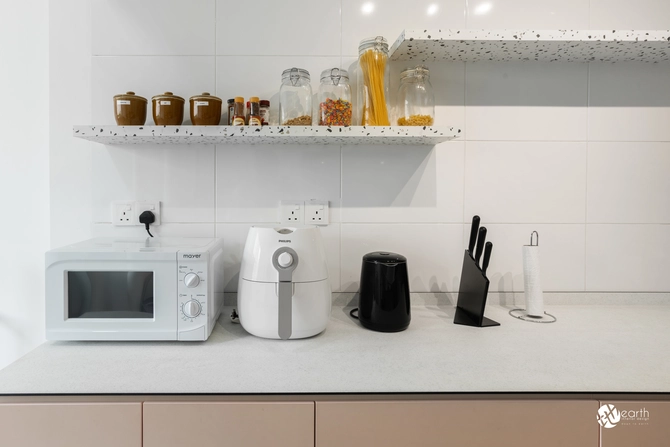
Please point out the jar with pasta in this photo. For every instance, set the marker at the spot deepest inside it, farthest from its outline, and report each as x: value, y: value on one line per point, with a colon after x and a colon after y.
x: 335, y: 98
x: 295, y: 98
x: 416, y: 101
x: 373, y: 79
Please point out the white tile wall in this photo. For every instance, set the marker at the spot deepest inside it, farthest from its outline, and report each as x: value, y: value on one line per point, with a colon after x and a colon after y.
x: 525, y: 182
x: 629, y: 102
x: 150, y: 28
x: 628, y: 183
x: 628, y: 14
x: 557, y: 148
x: 628, y: 258
x: 527, y: 14
x: 526, y: 101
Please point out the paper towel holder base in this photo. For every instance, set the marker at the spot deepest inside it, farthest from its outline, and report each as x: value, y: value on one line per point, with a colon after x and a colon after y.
x: 472, y: 295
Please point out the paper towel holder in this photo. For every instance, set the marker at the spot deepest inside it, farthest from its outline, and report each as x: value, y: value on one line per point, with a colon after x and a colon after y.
x: 522, y: 314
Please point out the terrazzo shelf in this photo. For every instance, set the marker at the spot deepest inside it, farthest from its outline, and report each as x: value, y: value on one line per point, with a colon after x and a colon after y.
x: 273, y: 135
x: 528, y: 45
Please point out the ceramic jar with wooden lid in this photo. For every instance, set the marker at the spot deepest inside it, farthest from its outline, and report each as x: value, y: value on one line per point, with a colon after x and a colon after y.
x: 168, y: 109
x: 205, y: 110
x: 130, y: 109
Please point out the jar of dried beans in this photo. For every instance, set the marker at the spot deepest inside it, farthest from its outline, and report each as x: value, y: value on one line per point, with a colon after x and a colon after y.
x: 334, y: 98
x: 416, y: 101
x: 295, y: 98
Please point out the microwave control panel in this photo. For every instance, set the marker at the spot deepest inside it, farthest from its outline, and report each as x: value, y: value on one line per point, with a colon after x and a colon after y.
x: 192, y: 299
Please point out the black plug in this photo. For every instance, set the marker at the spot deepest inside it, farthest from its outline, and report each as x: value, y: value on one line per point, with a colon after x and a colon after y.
x: 147, y: 218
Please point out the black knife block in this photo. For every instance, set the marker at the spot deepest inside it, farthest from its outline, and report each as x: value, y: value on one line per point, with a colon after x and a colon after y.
x: 472, y: 295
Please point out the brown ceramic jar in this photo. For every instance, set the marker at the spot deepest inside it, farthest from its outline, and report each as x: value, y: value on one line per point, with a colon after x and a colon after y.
x: 205, y: 110
x: 168, y: 109
x: 130, y: 110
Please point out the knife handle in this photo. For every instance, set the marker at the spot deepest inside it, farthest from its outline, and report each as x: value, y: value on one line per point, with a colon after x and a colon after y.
x: 487, y: 256
x: 481, y: 238
x: 473, y: 234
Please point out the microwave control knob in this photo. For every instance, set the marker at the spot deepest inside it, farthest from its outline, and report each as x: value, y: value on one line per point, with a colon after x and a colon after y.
x: 192, y: 309
x: 191, y: 280
x: 285, y: 260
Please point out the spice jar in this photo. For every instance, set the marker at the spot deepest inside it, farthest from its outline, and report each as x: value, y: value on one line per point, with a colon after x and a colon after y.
x: 265, y: 112
x: 416, y: 101
x: 205, y: 110
x: 373, y: 81
x: 231, y: 111
x: 238, y: 112
x: 334, y: 98
x: 295, y: 98
x: 168, y: 109
x: 130, y: 110
x: 254, y: 112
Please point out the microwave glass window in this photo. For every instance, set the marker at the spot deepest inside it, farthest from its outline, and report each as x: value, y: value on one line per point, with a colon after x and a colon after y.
x: 110, y: 294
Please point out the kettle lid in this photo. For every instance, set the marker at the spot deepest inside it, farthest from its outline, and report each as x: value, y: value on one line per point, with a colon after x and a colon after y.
x: 384, y: 257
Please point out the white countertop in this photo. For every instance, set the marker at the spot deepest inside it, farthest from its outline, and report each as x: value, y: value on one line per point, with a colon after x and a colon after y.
x: 592, y: 348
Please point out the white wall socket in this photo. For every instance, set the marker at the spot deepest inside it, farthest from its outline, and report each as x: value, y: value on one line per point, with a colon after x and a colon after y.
x: 297, y: 212
x: 127, y: 213
x: 316, y: 212
x: 292, y: 212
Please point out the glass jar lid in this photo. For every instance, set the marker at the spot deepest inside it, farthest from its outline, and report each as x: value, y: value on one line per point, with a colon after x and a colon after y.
x: 294, y: 75
x: 378, y: 43
x: 335, y: 75
x: 420, y: 71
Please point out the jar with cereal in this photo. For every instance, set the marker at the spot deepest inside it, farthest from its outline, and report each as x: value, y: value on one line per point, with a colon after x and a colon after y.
x: 416, y: 101
x: 295, y: 98
x: 334, y: 98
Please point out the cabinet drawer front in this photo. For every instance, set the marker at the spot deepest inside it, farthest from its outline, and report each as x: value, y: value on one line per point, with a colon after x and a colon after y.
x: 642, y: 424
x: 234, y: 424
x: 71, y: 425
x: 457, y: 423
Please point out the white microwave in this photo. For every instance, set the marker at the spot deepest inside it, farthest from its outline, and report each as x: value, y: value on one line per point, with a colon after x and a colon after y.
x: 134, y: 289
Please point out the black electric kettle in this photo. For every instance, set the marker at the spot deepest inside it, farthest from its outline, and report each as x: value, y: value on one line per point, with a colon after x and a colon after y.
x: 383, y: 303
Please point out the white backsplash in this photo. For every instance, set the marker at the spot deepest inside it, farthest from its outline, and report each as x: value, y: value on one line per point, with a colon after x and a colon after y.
x: 578, y: 152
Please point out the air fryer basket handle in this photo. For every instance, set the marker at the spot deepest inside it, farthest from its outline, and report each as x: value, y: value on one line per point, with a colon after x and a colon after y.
x: 285, y: 292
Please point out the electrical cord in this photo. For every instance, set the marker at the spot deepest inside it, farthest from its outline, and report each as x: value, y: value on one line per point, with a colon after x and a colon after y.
x: 351, y: 313
x: 147, y: 218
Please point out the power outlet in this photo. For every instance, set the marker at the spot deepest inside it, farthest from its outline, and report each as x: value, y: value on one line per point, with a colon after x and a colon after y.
x: 127, y: 213
x: 292, y: 212
x: 146, y: 205
x: 316, y: 212
x: 123, y: 213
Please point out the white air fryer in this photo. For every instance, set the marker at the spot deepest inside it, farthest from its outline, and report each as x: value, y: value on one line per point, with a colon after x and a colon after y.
x: 284, y: 290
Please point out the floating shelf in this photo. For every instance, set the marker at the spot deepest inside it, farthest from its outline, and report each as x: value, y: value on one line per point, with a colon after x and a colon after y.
x: 125, y: 135
x: 528, y: 45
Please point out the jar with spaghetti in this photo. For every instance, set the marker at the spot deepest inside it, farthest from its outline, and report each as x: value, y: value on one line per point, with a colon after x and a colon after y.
x: 295, y: 98
x: 334, y: 98
x: 416, y: 101
x: 373, y: 82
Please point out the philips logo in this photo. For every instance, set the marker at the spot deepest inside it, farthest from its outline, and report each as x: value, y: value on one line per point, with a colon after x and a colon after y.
x: 192, y: 256
x: 286, y: 241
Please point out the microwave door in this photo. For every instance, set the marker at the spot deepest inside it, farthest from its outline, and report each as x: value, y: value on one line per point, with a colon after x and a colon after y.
x: 109, y: 299
x: 110, y: 295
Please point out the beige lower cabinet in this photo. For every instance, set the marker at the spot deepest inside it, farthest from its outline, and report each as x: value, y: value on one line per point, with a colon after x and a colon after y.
x: 234, y: 424
x: 71, y: 425
x: 465, y: 423
x: 639, y: 424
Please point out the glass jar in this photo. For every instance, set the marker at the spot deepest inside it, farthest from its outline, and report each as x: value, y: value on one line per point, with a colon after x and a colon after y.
x: 416, y: 101
x: 295, y: 98
x: 335, y: 98
x: 373, y: 82
x: 231, y: 111
x: 265, y: 112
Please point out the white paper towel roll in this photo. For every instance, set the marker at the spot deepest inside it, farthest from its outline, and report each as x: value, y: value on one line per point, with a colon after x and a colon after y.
x: 531, y: 281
